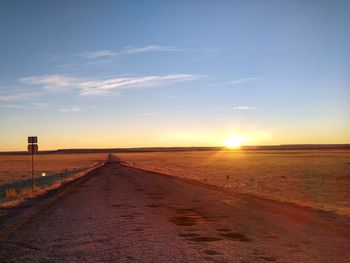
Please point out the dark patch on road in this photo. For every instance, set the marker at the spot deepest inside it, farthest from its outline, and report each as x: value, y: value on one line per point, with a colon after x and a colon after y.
x: 271, y: 236
x: 183, y: 221
x: 25, y: 245
x: 224, y: 229
x: 188, y: 217
x: 211, y: 252
x: 117, y: 205
x: 156, y: 197
x: 193, y: 229
x: 235, y: 236
x: 268, y: 258
x: 185, y: 210
x: 292, y: 245
x: 155, y: 205
x: 204, y: 239
x: 127, y: 216
x: 102, y: 240
x: 189, y: 234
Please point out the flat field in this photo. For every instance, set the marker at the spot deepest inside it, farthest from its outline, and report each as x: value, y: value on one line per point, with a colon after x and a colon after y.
x: 313, y: 178
x: 18, y: 167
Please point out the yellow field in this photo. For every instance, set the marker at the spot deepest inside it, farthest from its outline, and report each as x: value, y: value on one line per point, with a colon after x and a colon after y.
x: 319, y: 179
x: 18, y: 167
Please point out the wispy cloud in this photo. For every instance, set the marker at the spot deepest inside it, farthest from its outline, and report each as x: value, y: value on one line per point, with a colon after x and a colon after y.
x: 40, y: 104
x: 13, y: 106
x: 98, y: 54
x: 9, y: 97
x: 105, y: 53
x: 109, y: 57
x: 149, y: 48
x: 244, y: 108
x: 103, y: 86
x: 244, y: 80
x: 15, y: 95
x: 71, y: 109
x: 51, y: 82
x: 27, y: 105
x: 237, y: 81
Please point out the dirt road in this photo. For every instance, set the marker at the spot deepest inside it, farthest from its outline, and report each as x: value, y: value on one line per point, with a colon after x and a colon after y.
x: 123, y: 214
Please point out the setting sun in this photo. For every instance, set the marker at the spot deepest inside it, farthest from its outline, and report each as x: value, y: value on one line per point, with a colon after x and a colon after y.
x: 234, y: 141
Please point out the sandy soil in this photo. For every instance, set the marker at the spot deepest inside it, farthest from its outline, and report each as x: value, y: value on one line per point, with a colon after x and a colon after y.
x: 127, y: 215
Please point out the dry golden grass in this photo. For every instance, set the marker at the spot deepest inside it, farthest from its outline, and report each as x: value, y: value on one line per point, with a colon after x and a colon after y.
x: 11, y: 193
x: 18, y: 167
x: 319, y: 179
x: 14, y: 196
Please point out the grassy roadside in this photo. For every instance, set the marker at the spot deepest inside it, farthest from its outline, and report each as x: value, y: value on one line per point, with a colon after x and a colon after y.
x: 14, y: 193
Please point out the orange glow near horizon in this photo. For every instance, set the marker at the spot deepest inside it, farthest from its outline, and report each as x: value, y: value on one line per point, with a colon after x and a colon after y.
x: 234, y: 141
x: 51, y: 138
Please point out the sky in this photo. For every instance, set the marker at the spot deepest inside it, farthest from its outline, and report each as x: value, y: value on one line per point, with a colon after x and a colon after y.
x: 100, y: 74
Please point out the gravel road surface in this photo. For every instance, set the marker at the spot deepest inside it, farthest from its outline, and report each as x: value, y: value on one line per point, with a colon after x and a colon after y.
x: 122, y: 214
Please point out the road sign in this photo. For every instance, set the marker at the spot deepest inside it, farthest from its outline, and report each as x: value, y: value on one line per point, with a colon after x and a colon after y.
x: 32, y: 139
x: 33, y: 148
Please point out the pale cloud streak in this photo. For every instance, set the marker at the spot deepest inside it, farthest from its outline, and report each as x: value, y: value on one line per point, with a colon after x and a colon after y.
x: 40, y: 104
x: 244, y: 80
x: 98, y: 54
x: 54, y: 82
x: 105, y: 86
x: 237, y: 81
x: 19, y: 95
x: 150, y: 48
x: 13, y: 106
x: 32, y: 105
x: 244, y: 108
x: 9, y: 97
x: 103, y: 54
x: 71, y: 109
x: 88, y: 87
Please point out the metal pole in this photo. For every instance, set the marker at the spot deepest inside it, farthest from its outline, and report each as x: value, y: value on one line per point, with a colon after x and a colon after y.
x: 33, y: 182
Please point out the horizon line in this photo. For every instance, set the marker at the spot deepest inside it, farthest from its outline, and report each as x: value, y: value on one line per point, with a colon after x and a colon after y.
x: 242, y: 147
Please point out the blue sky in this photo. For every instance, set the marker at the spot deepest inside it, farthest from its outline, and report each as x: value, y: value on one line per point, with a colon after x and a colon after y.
x: 173, y: 73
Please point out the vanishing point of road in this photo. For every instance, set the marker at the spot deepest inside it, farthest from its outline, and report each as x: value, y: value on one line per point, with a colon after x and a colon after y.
x: 123, y: 214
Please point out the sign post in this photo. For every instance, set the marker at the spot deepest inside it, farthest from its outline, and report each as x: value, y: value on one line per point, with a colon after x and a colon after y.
x: 33, y: 148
